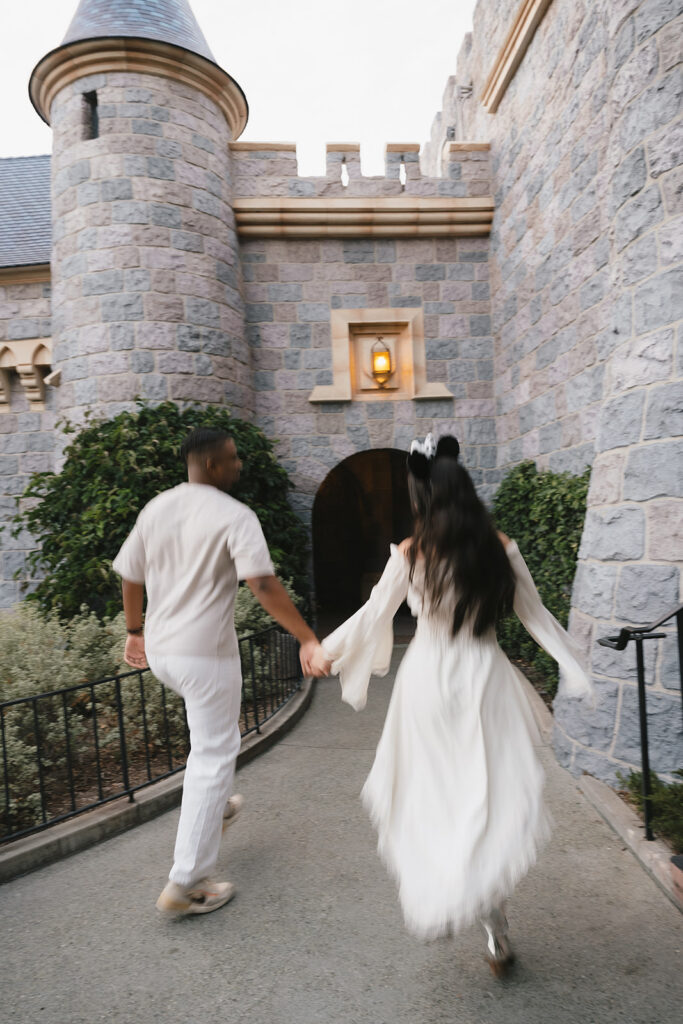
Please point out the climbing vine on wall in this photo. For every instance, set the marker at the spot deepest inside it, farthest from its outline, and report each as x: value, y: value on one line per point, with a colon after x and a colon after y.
x: 544, y: 512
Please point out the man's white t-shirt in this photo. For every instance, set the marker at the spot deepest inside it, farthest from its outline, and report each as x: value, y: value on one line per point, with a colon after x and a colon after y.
x: 190, y: 546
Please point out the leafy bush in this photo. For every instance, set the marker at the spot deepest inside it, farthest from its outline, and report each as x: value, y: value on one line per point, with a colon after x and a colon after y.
x: 81, y: 516
x: 544, y: 512
x: 667, y: 804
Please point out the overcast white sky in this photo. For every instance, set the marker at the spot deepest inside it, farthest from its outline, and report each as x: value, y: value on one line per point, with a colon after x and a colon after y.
x: 313, y: 71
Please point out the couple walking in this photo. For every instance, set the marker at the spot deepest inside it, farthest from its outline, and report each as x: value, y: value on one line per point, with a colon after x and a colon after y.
x: 455, y: 791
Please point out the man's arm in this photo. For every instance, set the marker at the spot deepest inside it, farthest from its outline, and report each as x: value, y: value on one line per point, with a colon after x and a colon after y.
x: 270, y: 593
x: 133, y: 595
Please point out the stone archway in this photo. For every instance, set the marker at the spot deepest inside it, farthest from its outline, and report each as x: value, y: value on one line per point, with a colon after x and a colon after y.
x: 361, y: 507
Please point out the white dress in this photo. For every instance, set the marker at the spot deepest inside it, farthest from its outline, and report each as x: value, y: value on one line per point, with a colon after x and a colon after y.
x: 455, y: 791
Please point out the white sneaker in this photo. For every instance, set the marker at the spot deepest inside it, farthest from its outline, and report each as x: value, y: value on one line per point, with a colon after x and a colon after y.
x: 201, y: 898
x: 233, y: 808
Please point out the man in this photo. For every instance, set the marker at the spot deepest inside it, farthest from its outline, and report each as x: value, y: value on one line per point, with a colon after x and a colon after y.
x: 189, y: 547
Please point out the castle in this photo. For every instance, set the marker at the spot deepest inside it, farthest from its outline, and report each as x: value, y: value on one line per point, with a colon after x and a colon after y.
x: 518, y: 282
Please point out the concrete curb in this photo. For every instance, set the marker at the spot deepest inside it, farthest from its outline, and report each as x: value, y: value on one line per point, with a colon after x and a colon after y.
x: 93, y: 827
x: 653, y: 856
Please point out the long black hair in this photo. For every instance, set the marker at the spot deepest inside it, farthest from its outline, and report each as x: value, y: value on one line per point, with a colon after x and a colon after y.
x: 455, y: 535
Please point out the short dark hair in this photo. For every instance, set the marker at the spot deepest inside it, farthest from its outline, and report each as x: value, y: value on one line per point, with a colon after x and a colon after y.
x: 203, y: 441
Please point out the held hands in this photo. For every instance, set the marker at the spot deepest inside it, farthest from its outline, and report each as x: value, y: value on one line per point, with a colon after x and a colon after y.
x: 134, y: 652
x: 314, y: 661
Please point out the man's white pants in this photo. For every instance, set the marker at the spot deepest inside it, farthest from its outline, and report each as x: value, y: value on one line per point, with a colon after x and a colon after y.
x: 211, y: 689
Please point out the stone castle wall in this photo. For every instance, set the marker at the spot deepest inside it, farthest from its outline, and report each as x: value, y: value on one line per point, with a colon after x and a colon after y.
x: 146, y: 288
x: 587, y: 300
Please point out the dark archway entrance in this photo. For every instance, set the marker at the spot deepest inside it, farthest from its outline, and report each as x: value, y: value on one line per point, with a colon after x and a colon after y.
x: 361, y: 507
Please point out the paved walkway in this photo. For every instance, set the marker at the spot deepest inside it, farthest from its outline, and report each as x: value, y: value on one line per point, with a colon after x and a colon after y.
x: 315, y: 935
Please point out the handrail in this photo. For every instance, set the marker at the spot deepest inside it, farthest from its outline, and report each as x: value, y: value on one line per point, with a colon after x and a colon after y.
x: 619, y: 643
x: 67, y: 751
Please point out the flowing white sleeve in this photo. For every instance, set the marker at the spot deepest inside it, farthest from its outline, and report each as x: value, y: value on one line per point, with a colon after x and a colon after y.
x: 362, y: 645
x: 547, y: 631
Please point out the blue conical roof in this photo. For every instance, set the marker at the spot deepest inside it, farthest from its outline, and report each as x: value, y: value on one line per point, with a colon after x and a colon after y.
x: 166, y: 21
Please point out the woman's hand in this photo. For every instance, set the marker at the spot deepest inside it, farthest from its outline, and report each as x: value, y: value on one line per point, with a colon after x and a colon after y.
x: 134, y: 653
x: 320, y: 663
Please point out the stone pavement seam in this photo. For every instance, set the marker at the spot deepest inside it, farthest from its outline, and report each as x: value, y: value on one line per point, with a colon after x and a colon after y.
x: 93, y: 827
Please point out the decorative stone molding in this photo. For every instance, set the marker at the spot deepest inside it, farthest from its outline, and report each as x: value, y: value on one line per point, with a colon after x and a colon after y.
x: 81, y: 59
x: 38, y: 273
x: 406, y: 329
x: 529, y: 16
x: 26, y: 358
x: 395, y: 217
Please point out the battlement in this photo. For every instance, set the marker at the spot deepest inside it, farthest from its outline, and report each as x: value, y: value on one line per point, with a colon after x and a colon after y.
x: 263, y: 169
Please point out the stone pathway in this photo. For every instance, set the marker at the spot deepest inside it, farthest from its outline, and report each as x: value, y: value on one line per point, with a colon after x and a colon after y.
x: 314, y: 935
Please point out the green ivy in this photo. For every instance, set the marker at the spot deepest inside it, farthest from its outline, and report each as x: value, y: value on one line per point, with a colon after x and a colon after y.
x: 80, y: 516
x: 667, y: 804
x: 544, y: 512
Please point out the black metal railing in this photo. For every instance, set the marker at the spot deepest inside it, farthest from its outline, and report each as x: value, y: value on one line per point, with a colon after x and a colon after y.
x: 68, y: 751
x: 619, y: 643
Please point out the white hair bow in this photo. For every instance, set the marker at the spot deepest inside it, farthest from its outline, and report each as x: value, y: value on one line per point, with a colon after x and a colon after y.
x: 426, y: 447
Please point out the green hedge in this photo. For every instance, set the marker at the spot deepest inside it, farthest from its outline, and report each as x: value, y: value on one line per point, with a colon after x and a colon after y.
x: 544, y: 512
x: 667, y: 804
x: 81, y: 516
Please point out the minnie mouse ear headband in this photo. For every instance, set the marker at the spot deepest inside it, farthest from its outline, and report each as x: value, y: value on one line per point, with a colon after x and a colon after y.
x: 422, y: 453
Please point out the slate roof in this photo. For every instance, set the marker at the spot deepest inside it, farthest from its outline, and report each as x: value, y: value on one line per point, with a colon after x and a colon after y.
x: 25, y: 211
x: 168, y: 21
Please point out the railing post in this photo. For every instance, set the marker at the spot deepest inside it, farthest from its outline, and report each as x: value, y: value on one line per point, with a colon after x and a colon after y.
x: 644, y: 748
x: 122, y: 740
x: 679, y: 631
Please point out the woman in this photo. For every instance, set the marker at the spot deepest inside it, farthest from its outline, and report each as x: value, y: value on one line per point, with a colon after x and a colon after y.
x: 455, y: 791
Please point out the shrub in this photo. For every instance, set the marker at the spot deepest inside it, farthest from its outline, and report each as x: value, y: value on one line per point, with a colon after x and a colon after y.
x: 667, y: 804
x: 544, y: 512
x: 81, y: 516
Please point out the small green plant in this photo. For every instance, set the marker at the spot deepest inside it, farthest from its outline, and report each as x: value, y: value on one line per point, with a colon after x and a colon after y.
x: 544, y: 512
x: 79, y: 517
x: 667, y: 804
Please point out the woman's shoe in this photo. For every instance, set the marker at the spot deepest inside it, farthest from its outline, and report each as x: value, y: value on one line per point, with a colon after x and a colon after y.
x: 233, y: 808
x: 500, y: 956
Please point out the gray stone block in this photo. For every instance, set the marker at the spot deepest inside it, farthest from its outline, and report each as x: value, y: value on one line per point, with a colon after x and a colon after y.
x: 188, y: 241
x: 385, y: 251
x: 439, y: 308
x: 144, y: 127
x: 129, y: 212
x: 663, y: 727
x: 301, y: 188
x: 300, y: 336
x: 136, y: 280
x: 638, y: 216
x: 620, y: 421
x: 201, y: 142
x: 103, y: 282
x: 284, y: 293
x: 639, y: 260
x: 85, y: 392
x: 563, y: 747
x: 407, y: 301
x: 628, y: 179
x: 586, y: 388
x: 88, y: 193
x: 456, y: 189
x: 484, y: 369
x: 169, y: 148
x: 480, y: 291
x: 654, y: 471
x: 122, y: 307
x: 264, y: 380
x: 121, y: 337
x: 613, y: 534
x: 480, y: 431
x: 160, y: 167
x: 664, y: 415
x: 313, y: 312
x: 154, y: 387
x: 624, y: 42
x: 165, y: 216
x: 659, y: 301
x: 592, y: 728
x: 480, y: 326
x: 550, y: 438
x: 474, y: 256
x: 292, y: 359
x: 430, y: 272
x: 379, y: 410
x: 203, y: 366
x: 645, y: 592
x: 594, y: 290
x: 317, y: 359
x: 175, y: 362
x: 574, y: 460
x: 142, y: 362
x: 653, y: 15
x: 359, y: 252
x: 75, y: 265
x: 462, y: 370
x: 258, y: 312
x: 460, y: 272
x: 594, y: 588
x: 202, y: 311
x: 116, y: 188
x: 350, y: 300
x: 135, y: 166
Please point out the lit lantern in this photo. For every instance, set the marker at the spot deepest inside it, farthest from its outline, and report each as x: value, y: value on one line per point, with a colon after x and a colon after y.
x: 380, y: 357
